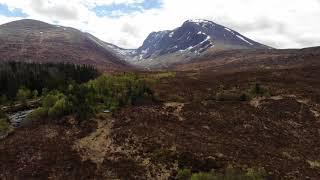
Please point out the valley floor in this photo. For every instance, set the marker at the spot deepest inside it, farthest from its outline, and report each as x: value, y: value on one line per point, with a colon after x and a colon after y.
x: 203, y: 121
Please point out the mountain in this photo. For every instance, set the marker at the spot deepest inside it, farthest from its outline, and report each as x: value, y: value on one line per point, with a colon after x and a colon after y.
x: 36, y: 41
x: 195, y: 36
x: 192, y: 39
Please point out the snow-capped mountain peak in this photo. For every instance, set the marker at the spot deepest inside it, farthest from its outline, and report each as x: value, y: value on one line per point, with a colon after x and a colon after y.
x: 194, y: 37
x: 191, y: 39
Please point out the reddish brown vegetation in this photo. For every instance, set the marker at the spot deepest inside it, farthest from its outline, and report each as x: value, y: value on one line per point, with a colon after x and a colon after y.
x: 190, y: 128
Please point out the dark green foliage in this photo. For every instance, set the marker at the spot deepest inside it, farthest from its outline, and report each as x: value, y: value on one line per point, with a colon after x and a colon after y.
x: 258, y: 90
x: 23, y: 94
x: 184, y: 174
x: 15, y: 75
x: 82, y: 101
x: 235, y: 94
x: 54, y: 105
x: 4, y: 125
x: 2, y: 115
x: 118, y: 91
x: 3, y: 99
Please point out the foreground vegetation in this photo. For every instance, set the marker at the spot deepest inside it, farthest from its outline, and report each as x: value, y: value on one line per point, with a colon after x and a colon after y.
x: 84, y: 100
x: 66, y: 89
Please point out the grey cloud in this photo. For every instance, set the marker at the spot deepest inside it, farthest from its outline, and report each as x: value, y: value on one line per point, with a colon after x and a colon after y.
x: 308, y: 42
x: 258, y: 24
x: 130, y: 29
x: 58, y: 11
x: 278, y: 28
x: 123, y: 42
x: 269, y: 43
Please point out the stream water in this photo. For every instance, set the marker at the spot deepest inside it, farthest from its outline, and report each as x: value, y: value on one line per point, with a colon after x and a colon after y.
x: 18, y: 119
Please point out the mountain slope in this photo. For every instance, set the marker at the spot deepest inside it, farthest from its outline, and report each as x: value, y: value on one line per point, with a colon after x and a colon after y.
x: 36, y: 41
x: 193, y: 38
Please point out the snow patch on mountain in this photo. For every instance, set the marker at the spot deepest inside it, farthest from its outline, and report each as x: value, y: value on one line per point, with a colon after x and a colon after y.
x: 243, y: 39
x: 171, y: 34
x: 229, y: 30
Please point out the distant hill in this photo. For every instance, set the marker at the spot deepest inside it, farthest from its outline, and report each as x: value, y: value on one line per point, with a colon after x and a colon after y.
x: 35, y: 41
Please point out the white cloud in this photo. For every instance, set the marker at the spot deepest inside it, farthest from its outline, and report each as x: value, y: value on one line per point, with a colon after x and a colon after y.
x: 282, y: 24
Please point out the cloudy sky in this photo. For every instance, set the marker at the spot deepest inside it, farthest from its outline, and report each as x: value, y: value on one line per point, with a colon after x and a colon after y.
x: 126, y: 23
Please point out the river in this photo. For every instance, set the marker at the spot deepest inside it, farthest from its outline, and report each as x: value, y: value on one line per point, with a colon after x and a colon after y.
x: 18, y: 119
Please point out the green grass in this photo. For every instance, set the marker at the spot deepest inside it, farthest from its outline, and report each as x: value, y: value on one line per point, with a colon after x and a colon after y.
x: 155, y: 77
x: 162, y: 75
x: 184, y: 174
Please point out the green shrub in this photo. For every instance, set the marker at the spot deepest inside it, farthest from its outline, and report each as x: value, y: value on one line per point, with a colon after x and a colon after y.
x: 3, y: 99
x: 256, y: 173
x: 258, y: 90
x: 4, y: 125
x: 39, y: 113
x: 51, y: 98
x: 237, y: 95
x: 118, y: 91
x: 2, y: 115
x: 54, y: 105
x: 23, y: 94
x: 59, y: 109
x: 184, y: 174
x: 35, y: 94
x: 204, y: 176
x: 82, y: 101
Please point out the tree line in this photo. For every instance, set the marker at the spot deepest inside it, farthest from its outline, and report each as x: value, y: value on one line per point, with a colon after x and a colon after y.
x: 20, y: 78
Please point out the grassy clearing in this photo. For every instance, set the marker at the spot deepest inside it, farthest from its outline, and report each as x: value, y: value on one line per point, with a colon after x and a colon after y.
x: 162, y: 75
x: 155, y: 77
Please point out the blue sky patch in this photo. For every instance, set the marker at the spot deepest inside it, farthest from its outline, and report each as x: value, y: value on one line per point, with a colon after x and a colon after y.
x: 4, y: 10
x: 116, y: 10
